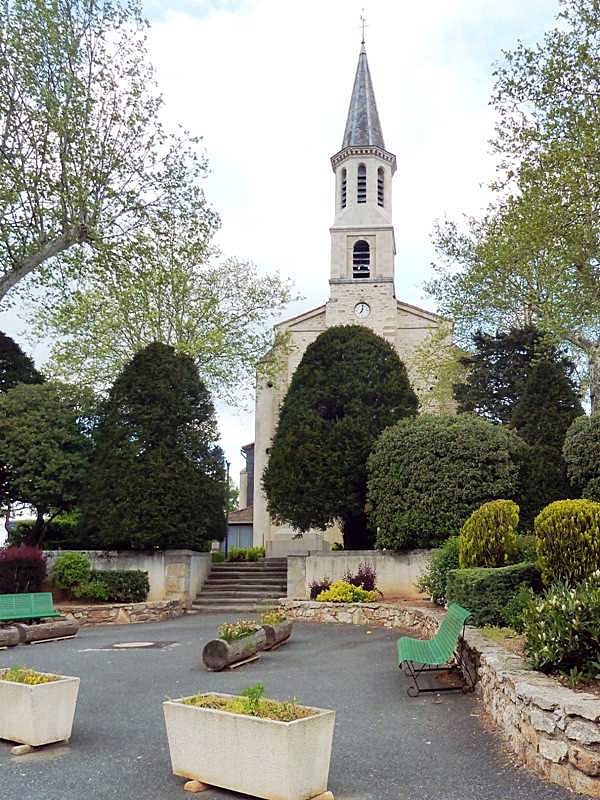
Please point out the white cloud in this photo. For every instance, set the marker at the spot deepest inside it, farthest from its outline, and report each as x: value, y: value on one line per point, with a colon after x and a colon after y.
x: 267, y: 85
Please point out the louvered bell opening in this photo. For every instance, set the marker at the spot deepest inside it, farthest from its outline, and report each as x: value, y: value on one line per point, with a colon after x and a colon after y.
x: 361, y: 184
x: 380, y: 187
x: 343, y: 189
x: 361, y: 260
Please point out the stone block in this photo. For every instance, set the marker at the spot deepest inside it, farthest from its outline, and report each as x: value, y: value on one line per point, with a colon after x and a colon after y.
x: 583, y: 731
x: 176, y: 570
x: 587, y: 761
x: 542, y: 721
x: 553, y: 749
x: 583, y: 704
x: 583, y: 784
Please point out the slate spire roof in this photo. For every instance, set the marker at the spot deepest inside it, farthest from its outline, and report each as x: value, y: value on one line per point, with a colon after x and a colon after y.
x: 363, y: 126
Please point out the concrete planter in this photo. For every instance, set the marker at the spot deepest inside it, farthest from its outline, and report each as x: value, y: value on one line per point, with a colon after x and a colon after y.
x: 277, y: 634
x: 260, y: 757
x: 38, y: 715
x: 218, y: 654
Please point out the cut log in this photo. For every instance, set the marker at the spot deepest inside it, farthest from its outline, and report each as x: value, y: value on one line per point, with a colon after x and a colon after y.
x: 43, y: 631
x: 277, y: 634
x: 218, y: 654
x: 9, y: 637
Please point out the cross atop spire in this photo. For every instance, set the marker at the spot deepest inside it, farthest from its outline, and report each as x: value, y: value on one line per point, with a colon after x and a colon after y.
x: 363, y: 22
x: 363, y: 126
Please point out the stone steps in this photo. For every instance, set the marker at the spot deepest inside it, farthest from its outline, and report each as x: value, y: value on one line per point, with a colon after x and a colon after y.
x: 234, y: 587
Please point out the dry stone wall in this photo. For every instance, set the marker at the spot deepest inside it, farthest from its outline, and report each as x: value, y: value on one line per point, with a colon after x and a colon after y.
x: 124, y: 613
x: 552, y: 729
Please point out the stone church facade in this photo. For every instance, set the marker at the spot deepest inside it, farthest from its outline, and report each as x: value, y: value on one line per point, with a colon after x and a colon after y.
x: 361, y: 292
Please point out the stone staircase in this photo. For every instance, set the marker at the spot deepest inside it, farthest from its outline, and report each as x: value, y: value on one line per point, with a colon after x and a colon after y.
x: 236, y: 586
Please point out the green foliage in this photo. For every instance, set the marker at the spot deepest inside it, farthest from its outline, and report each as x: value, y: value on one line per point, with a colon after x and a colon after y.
x: 44, y: 449
x: 486, y: 591
x: 428, y: 474
x: 342, y: 592
x: 245, y: 553
x: 253, y: 695
x: 337, y: 546
x: 489, y: 537
x: 286, y: 711
x: 26, y: 675
x: 71, y: 570
x: 157, y: 477
x: 568, y: 540
x: 94, y: 590
x: 273, y: 617
x: 433, y: 580
x: 123, y: 585
x: 514, y: 613
x: 22, y: 569
x: 526, y: 548
x: 581, y: 451
x: 563, y: 628
x: 15, y: 366
x: 349, y: 386
x: 217, y: 557
x: 231, y: 631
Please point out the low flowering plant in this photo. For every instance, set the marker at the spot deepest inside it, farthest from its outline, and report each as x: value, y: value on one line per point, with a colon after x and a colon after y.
x: 232, y: 631
x: 343, y: 592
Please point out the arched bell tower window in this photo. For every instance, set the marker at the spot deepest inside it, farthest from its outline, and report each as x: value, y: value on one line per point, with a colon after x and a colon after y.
x: 361, y: 184
x: 361, y: 259
x: 343, y: 186
x: 380, y: 187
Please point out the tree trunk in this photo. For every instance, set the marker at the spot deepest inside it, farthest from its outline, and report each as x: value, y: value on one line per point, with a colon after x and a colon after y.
x: 38, y: 530
x: 594, y: 378
x: 357, y: 535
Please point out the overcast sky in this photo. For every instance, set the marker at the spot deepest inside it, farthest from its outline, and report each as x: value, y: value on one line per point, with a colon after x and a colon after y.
x: 267, y: 83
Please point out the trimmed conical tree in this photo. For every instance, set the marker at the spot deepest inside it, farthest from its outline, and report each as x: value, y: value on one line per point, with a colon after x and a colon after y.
x: 15, y: 366
x: 157, y: 477
x: 547, y: 407
x: 349, y: 386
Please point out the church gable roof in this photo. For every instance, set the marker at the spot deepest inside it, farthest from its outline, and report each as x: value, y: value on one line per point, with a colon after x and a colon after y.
x: 415, y: 311
x: 363, y: 126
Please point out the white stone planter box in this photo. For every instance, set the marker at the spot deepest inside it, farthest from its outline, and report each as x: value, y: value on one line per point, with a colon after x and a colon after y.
x: 260, y: 757
x: 38, y: 715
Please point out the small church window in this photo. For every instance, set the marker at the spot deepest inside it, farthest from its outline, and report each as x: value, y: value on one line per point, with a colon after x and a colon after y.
x: 361, y: 259
x: 380, y: 187
x: 361, y: 184
x: 343, y: 188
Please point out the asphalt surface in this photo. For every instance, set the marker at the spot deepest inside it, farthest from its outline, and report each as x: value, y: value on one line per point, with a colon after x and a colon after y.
x: 386, y: 745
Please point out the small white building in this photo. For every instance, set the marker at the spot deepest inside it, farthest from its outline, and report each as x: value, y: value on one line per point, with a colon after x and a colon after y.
x: 361, y: 291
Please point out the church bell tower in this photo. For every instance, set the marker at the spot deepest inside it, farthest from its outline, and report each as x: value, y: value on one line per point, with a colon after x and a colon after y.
x: 362, y: 235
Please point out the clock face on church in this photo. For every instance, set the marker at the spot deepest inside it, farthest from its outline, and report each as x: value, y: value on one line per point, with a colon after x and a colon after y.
x: 362, y: 310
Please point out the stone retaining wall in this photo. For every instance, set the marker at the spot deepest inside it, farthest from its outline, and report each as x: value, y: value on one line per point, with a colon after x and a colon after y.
x: 124, y: 613
x: 552, y: 729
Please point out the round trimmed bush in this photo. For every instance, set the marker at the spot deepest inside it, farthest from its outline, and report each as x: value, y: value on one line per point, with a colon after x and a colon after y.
x: 426, y: 475
x: 489, y: 537
x: 568, y: 540
x: 71, y: 569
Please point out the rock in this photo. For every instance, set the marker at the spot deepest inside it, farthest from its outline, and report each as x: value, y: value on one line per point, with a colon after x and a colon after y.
x: 553, y: 749
x: 542, y: 721
x: 583, y: 731
x: 587, y: 761
x: 583, y: 705
x: 583, y: 784
x: 195, y: 786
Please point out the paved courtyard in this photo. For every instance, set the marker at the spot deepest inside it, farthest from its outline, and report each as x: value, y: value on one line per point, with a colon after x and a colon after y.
x: 387, y: 746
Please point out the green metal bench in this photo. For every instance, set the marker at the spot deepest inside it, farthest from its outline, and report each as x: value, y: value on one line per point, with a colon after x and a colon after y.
x: 433, y: 655
x: 28, y: 605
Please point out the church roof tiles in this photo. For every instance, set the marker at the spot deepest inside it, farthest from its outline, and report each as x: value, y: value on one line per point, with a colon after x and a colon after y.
x: 363, y: 126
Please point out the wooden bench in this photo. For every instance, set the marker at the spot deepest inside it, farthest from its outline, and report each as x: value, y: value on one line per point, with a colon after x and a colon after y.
x: 433, y: 655
x: 28, y: 605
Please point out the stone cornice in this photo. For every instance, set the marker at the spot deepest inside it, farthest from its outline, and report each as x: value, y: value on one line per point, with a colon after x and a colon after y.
x: 363, y: 150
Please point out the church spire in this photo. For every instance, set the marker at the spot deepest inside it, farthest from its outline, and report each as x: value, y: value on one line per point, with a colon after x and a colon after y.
x: 363, y: 126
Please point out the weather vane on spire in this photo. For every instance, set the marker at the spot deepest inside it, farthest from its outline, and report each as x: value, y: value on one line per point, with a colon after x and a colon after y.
x: 363, y: 23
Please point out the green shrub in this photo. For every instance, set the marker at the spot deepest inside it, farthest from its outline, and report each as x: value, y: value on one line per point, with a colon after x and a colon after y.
x: 71, y: 569
x: 342, y: 592
x: 94, y: 590
x: 22, y: 569
x: 489, y: 537
x: 486, y: 591
x: 514, y: 613
x: 563, y: 628
x: 433, y: 580
x: 245, y: 553
x: 526, y: 548
x: 581, y: 451
x: 217, y: 557
x: 568, y: 540
x: 426, y: 475
x: 123, y: 586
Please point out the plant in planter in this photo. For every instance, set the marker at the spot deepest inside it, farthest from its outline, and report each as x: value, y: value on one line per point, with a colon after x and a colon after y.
x: 37, y: 707
x: 277, y: 627
x: 238, y: 641
x: 269, y: 749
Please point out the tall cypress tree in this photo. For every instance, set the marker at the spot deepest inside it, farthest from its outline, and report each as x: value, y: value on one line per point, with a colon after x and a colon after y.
x: 157, y: 478
x: 15, y: 366
x: 349, y: 386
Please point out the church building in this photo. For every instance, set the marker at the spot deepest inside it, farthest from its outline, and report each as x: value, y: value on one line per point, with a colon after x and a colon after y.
x: 361, y: 292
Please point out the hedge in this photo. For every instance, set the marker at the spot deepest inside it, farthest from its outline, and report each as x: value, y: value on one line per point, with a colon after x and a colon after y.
x: 124, y: 586
x: 486, y: 591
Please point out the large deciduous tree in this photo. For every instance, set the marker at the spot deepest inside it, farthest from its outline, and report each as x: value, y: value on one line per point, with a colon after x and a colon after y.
x: 83, y: 153
x: 534, y: 257
x: 348, y: 387
x: 157, y: 478
x: 164, y: 283
x: 45, y: 450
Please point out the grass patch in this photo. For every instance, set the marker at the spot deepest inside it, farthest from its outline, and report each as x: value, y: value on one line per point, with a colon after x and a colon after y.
x: 253, y: 704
